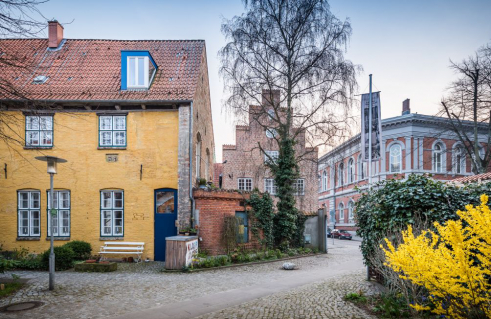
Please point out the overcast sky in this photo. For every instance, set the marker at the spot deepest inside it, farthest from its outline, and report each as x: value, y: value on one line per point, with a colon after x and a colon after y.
x: 406, y: 45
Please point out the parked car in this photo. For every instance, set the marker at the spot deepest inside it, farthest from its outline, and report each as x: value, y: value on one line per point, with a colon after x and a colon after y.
x: 341, y: 234
x: 329, y: 234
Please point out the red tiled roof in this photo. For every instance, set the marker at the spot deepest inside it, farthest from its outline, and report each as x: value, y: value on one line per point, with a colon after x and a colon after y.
x: 91, y: 69
x: 473, y: 178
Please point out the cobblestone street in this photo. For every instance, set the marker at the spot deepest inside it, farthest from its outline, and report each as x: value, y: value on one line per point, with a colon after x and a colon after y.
x: 135, y: 288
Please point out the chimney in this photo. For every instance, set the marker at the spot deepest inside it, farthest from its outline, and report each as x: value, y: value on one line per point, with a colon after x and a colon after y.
x: 405, y: 107
x: 271, y: 96
x: 55, y: 34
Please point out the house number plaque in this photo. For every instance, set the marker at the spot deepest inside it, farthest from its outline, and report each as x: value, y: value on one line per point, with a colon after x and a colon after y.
x: 111, y: 158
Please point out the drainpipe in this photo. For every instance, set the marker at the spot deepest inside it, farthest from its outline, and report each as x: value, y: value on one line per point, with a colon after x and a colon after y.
x: 191, y: 159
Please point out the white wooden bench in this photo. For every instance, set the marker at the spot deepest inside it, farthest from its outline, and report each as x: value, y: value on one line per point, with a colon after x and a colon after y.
x: 122, y: 248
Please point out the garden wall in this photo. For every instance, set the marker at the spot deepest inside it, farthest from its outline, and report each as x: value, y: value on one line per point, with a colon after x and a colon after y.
x: 212, y: 206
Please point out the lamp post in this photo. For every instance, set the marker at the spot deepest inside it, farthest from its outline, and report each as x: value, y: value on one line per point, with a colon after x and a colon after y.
x: 52, y: 163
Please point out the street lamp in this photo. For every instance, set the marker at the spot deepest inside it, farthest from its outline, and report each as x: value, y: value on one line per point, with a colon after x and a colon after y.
x: 52, y: 163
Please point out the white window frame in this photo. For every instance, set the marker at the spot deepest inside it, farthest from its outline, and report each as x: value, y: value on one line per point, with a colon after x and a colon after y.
x: 395, y: 159
x: 60, y: 230
x: 299, y: 187
x: 351, y: 171
x: 341, y: 174
x: 437, y: 158
x: 272, y: 154
x: 113, y: 130
x: 31, y: 209
x: 37, y: 132
x: 145, y: 72
x: 112, y: 210
x: 270, y: 186
x: 341, y: 212
x: 459, y: 167
x: 351, y: 208
x: 362, y: 169
x: 244, y: 183
x: 324, y: 180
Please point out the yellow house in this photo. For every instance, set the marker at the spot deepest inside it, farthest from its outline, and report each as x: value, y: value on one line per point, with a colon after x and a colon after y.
x: 132, y: 119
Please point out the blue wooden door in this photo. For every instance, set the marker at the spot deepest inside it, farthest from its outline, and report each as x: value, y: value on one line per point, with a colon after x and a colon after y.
x: 165, y: 219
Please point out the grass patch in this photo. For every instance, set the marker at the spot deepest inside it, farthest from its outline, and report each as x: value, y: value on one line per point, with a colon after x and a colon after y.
x: 10, y: 288
x: 385, y: 305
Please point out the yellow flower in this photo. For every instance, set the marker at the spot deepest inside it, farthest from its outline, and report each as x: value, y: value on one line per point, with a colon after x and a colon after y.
x: 444, y: 262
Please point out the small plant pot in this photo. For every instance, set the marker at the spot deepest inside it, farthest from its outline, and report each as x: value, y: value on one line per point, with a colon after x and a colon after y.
x: 186, y: 234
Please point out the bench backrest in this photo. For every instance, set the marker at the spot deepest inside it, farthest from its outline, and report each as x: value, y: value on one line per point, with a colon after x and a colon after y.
x: 123, y: 243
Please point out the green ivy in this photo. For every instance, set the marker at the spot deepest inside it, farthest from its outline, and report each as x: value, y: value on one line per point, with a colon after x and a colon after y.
x: 285, y: 172
x: 262, y: 214
x: 392, y: 204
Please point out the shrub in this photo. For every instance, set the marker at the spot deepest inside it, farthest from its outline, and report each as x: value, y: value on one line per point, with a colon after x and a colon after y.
x: 81, y: 249
x: 6, y: 264
x: 31, y: 262
x: 392, y: 204
x: 64, y: 258
x: 453, y: 263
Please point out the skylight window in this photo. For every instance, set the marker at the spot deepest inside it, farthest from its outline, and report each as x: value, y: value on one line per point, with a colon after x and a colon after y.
x: 40, y: 79
x: 137, y: 70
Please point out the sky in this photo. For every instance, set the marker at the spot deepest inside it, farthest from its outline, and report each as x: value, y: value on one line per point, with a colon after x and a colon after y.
x: 405, y: 45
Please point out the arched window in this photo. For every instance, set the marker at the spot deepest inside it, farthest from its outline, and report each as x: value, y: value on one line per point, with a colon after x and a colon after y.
x: 351, y: 171
x: 324, y: 180
x: 341, y: 174
x: 438, y: 158
x: 351, y: 210
x: 362, y: 168
x: 341, y: 212
x: 198, y: 156
x: 458, y: 160
x: 208, y: 161
x: 395, y: 158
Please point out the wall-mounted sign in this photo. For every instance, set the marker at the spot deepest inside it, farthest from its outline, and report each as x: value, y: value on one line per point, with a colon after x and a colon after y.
x: 111, y: 158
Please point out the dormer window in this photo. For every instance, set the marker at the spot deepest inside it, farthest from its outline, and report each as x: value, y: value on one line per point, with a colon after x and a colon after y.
x: 137, y: 70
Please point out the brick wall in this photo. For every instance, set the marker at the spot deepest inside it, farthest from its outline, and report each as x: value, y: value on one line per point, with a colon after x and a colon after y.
x: 203, y: 124
x: 213, y: 207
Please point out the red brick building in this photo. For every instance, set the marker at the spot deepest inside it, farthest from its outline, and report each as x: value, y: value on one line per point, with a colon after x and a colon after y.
x: 244, y: 163
x: 411, y: 143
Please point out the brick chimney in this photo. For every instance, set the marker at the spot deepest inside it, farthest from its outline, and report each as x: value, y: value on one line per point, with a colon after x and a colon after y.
x: 405, y: 107
x: 269, y: 95
x: 55, y: 34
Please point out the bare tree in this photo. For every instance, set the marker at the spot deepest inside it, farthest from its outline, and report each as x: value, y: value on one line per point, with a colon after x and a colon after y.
x: 295, y: 48
x: 18, y: 19
x: 468, y: 107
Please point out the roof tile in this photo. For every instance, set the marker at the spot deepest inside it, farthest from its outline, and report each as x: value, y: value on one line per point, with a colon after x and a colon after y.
x: 91, y: 69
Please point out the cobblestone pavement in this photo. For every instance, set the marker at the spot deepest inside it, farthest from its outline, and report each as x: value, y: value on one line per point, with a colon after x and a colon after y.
x: 314, y: 301
x: 143, y: 286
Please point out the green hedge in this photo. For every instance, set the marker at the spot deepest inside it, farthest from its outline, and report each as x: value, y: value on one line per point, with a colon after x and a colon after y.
x: 393, y: 204
x: 64, y: 257
x: 81, y: 249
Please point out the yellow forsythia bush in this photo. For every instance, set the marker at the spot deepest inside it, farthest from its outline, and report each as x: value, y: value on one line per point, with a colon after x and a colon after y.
x: 453, y: 263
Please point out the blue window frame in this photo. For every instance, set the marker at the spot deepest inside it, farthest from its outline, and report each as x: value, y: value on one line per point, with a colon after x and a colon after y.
x: 242, y: 227
x: 138, y: 69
